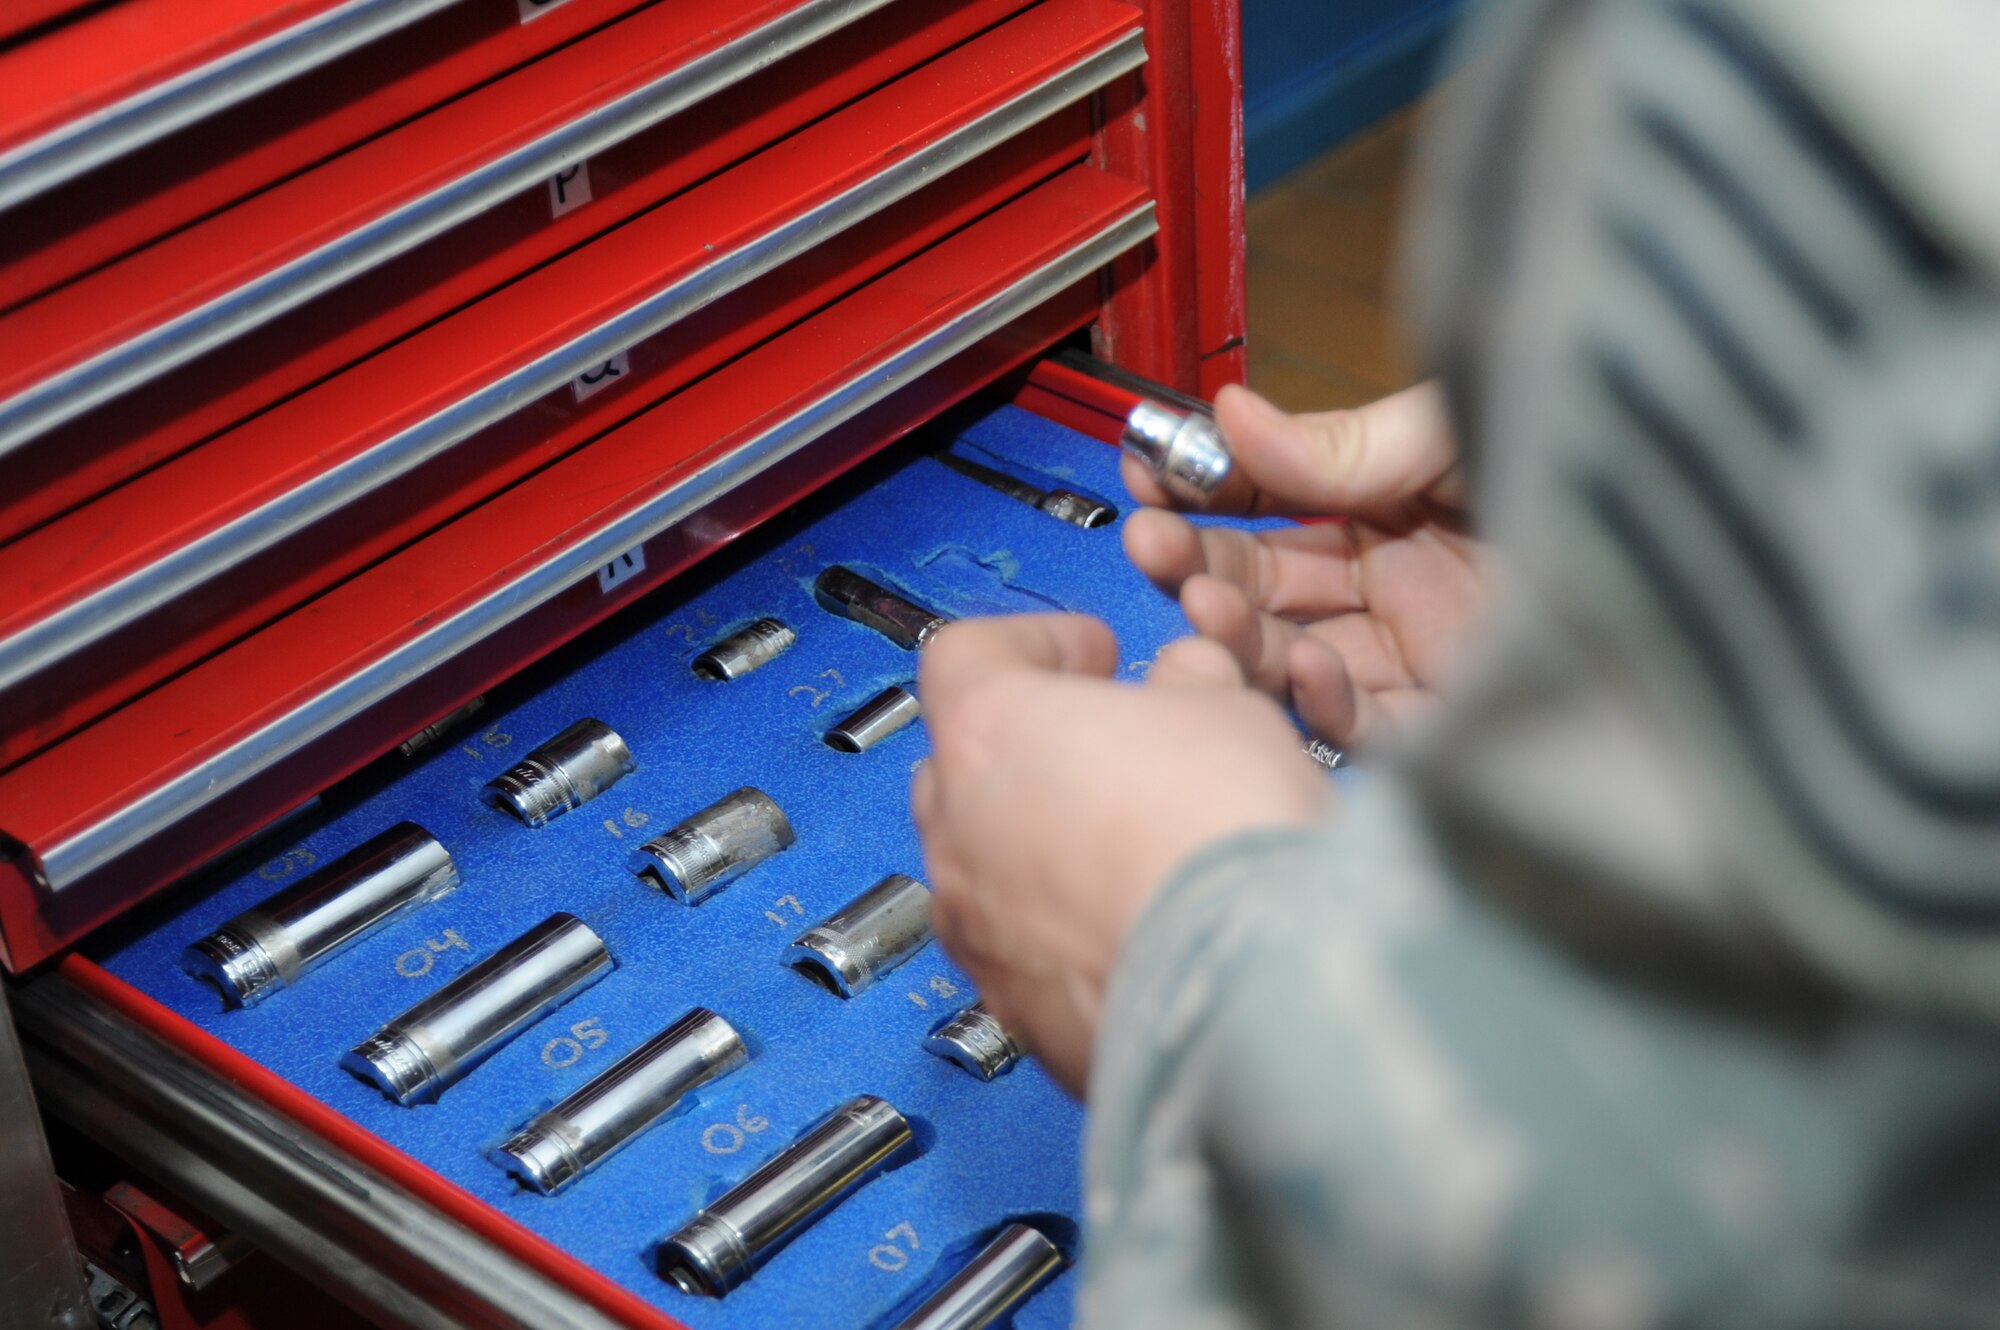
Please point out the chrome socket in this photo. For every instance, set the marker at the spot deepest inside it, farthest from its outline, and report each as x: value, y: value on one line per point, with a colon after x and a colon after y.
x: 1324, y: 753
x: 976, y: 1042
x: 1185, y: 453
x: 1064, y: 505
x: 728, y: 1241
x: 867, y: 937
x: 1077, y: 509
x: 567, y: 772
x: 431, y: 1047
x: 748, y: 648
x: 1004, y: 1274
x: 875, y: 720
x: 700, y: 856
x: 847, y: 593
x: 278, y: 941
x: 560, y: 1146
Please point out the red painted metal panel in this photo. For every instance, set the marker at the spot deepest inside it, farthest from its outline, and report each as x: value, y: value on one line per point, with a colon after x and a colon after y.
x: 1178, y: 316
x: 235, y: 693
x: 209, y: 165
x: 311, y: 1115
x: 129, y: 435
x: 70, y: 559
x: 96, y: 61
x: 21, y: 15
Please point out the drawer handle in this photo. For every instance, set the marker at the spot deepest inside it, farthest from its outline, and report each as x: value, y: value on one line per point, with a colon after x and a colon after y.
x: 152, y: 113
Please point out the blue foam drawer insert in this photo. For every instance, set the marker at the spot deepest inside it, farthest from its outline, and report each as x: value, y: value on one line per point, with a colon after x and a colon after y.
x: 992, y: 1152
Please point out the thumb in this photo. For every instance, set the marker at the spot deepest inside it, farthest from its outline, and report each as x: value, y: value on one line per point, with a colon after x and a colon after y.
x: 1337, y: 463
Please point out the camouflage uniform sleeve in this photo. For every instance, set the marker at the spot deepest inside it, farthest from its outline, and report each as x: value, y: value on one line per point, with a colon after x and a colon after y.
x: 1333, y: 1087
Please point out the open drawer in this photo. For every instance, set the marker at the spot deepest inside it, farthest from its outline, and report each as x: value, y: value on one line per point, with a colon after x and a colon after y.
x: 403, y: 1210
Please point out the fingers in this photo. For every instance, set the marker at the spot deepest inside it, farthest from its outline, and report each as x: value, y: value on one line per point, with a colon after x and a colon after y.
x: 1220, y: 611
x: 1367, y: 461
x: 1194, y: 662
x: 1305, y: 572
x: 973, y: 650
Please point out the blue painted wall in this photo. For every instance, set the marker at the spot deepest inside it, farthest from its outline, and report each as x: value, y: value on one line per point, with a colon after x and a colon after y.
x: 1315, y: 71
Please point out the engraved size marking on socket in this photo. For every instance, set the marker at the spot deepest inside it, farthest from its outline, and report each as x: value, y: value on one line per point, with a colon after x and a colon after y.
x: 699, y: 857
x: 976, y: 1042
x: 567, y: 772
x: 847, y: 593
x: 750, y: 647
x: 420, y: 1054
x: 866, y: 938
x: 278, y: 941
x: 1005, y: 1274
x: 611, y: 1110
x: 730, y: 1239
x: 1185, y: 453
x: 875, y: 720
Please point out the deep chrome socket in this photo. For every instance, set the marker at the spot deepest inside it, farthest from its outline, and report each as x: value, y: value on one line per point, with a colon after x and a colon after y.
x: 567, y: 772
x: 615, y: 1106
x: 431, y: 1047
x: 729, y: 1240
x: 702, y: 855
x: 976, y: 1042
x: 867, y: 937
x: 898, y: 618
x: 279, y: 940
x: 875, y: 720
x: 1185, y: 453
x: 748, y: 648
x: 1004, y: 1274
x: 1064, y: 505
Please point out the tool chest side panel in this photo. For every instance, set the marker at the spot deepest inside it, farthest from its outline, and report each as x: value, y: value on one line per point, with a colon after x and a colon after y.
x: 996, y: 1151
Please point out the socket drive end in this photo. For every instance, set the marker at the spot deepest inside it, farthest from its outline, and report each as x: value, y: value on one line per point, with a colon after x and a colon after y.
x: 542, y: 1158
x: 396, y: 1065
x: 875, y: 720
x: 827, y: 955
x: 1185, y: 453
x: 707, y: 1258
x: 699, y: 857
x: 866, y: 938
x: 235, y: 964
x: 844, y: 592
x: 748, y: 648
x: 567, y: 772
x: 976, y: 1042
x: 1077, y: 509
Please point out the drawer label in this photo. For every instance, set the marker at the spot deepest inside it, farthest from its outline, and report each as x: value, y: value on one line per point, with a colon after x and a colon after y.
x: 621, y: 569
x: 596, y: 379
x: 569, y: 190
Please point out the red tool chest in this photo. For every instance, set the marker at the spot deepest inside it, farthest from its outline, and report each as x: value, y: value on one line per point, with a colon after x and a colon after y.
x: 347, y: 340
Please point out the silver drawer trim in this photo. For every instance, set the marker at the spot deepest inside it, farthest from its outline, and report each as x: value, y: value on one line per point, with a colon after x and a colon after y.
x: 154, y: 112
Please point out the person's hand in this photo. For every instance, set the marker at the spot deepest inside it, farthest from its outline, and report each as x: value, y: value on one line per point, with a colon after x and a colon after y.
x: 1056, y: 802
x: 1350, y: 623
